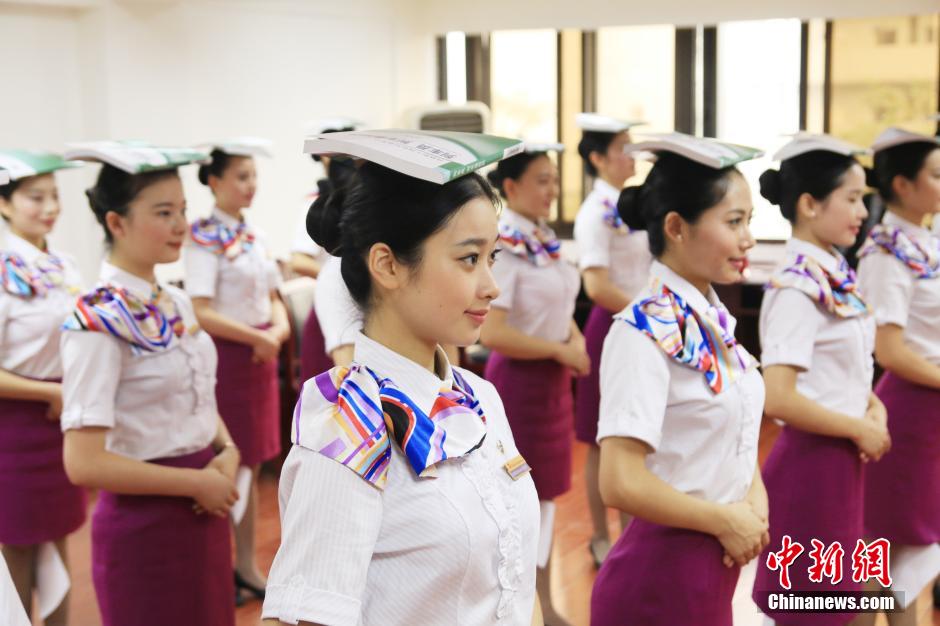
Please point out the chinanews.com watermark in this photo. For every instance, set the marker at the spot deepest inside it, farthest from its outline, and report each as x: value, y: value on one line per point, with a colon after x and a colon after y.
x: 869, y: 561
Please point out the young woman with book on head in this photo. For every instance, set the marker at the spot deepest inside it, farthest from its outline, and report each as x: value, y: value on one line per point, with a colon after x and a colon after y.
x: 614, y: 262
x: 139, y: 411
x: 899, y: 274
x: 817, y: 337
x: 681, y: 400
x: 404, y: 499
x: 38, y: 289
x: 535, y: 344
x: 233, y: 282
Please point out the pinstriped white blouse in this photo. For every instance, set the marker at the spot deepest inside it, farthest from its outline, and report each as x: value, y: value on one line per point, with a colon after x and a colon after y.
x: 458, y: 549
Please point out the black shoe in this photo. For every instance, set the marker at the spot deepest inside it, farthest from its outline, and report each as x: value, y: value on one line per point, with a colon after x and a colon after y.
x: 241, y: 583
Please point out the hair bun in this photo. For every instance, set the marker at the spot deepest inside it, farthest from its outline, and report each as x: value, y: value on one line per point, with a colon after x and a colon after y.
x: 495, y: 178
x: 324, y: 215
x: 630, y: 207
x: 203, y: 174
x: 770, y: 186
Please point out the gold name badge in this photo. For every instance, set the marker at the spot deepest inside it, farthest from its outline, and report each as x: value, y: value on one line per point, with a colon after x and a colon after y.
x: 517, y: 467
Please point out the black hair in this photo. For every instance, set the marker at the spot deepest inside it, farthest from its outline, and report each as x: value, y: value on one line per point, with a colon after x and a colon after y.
x: 115, y: 189
x: 6, y: 191
x: 675, y: 184
x: 381, y: 205
x: 339, y: 174
x: 319, y: 157
x: 594, y: 141
x: 512, y: 168
x: 216, y: 167
x: 906, y: 159
x: 818, y: 173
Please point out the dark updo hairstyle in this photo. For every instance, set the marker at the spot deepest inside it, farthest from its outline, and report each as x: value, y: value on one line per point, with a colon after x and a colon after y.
x: 906, y: 159
x: 818, y: 173
x: 319, y: 157
x: 380, y: 205
x: 512, y: 168
x: 216, y: 167
x: 115, y: 189
x: 6, y: 191
x: 594, y: 141
x: 675, y: 184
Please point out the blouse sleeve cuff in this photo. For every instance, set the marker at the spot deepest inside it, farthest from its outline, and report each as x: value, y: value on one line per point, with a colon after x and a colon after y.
x: 81, y: 417
x: 593, y: 258
x: 626, y: 426
x: 296, y: 602
x: 782, y: 355
x: 883, y: 318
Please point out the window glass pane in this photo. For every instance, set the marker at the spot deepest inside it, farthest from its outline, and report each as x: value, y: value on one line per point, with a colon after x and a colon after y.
x: 759, y: 101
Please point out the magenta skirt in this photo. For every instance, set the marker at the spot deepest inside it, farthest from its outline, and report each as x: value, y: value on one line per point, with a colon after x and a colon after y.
x: 815, y: 485
x: 661, y: 576
x: 587, y: 391
x: 37, y: 501
x: 313, y: 357
x: 155, y: 562
x: 249, y: 402
x: 902, y: 490
x: 539, y: 405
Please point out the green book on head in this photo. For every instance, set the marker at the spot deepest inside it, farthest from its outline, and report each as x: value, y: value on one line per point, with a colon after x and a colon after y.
x: 135, y: 157
x: 17, y: 164
x: 434, y: 156
x: 708, y: 152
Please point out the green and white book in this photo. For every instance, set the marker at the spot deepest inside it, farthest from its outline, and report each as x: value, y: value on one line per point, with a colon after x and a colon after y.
x: 135, y: 157
x: 707, y: 151
x: 435, y: 156
x: 24, y: 163
x: 803, y: 142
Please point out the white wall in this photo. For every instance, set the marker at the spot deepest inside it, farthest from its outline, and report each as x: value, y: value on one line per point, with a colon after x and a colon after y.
x: 192, y: 71
x: 488, y: 15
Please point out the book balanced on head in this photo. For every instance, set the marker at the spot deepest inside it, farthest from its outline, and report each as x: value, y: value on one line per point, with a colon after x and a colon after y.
x: 434, y: 156
x: 135, y: 157
x: 704, y: 150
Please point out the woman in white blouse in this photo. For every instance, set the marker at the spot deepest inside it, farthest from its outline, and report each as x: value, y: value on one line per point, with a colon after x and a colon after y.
x: 614, y: 261
x: 233, y: 282
x: 535, y: 343
x: 141, y: 423
x: 404, y: 499
x: 37, y: 290
x: 681, y: 404
x: 817, y: 337
x: 899, y: 273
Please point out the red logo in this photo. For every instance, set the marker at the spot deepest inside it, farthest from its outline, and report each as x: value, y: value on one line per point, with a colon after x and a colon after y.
x: 868, y: 561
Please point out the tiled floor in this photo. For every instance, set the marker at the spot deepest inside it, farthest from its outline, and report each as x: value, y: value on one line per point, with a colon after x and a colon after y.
x: 572, y: 566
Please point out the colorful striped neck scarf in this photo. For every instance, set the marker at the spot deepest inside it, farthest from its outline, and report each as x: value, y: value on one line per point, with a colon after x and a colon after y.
x: 213, y: 235
x: 347, y: 414
x: 836, y: 291
x: 147, y: 326
x: 922, y: 259
x: 539, y: 249
x: 29, y: 280
x: 612, y: 217
x: 702, y: 342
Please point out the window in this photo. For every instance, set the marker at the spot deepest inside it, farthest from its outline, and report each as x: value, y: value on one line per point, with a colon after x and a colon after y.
x: 759, y: 101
